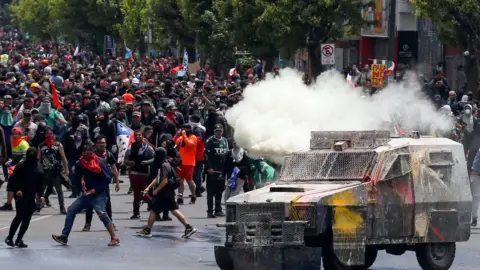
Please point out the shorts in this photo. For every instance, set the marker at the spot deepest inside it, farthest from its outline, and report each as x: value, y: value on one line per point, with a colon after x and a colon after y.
x: 160, y: 205
x: 185, y: 172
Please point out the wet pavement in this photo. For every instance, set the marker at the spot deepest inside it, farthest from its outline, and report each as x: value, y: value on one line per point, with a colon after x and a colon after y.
x: 165, y: 250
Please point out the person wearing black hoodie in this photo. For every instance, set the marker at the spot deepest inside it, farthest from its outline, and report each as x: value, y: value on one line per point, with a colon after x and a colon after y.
x: 26, y: 183
x: 108, y: 129
x: 75, y: 138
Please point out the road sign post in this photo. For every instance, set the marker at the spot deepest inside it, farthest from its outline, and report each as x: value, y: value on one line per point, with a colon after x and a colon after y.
x: 328, y: 54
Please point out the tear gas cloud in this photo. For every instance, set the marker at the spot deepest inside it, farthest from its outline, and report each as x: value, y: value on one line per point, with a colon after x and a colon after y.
x: 276, y: 116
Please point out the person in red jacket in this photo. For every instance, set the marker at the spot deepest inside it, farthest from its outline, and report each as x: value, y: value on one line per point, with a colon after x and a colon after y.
x: 199, y: 131
x: 186, y: 142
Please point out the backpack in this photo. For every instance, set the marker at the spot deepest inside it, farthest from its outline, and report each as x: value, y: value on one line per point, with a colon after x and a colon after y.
x: 173, y: 180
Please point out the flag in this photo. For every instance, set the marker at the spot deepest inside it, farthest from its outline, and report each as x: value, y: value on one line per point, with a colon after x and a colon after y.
x: 176, y: 70
x: 76, y: 51
x: 350, y: 80
x: 55, y: 98
x: 389, y: 64
x: 390, y: 68
x: 128, y: 54
x: 185, y: 60
x: 125, y: 138
x: 233, y: 71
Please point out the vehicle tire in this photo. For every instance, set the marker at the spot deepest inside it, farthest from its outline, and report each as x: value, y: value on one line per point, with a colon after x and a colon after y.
x: 224, y: 262
x: 370, y: 256
x: 436, y: 256
x: 331, y: 262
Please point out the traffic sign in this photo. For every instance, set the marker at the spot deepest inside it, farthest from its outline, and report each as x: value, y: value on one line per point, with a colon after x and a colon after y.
x: 328, y: 54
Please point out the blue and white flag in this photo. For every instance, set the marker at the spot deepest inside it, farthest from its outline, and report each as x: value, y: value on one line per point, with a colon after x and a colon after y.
x: 128, y: 53
x: 185, y: 60
x: 124, y: 140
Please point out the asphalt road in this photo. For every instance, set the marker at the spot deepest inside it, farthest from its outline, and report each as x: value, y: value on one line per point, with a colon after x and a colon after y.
x: 165, y: 250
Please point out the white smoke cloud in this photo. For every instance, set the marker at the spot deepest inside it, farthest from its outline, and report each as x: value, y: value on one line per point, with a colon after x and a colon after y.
x: 276, y: 116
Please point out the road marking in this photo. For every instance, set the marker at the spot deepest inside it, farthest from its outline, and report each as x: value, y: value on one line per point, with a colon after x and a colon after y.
x: 33, y: 220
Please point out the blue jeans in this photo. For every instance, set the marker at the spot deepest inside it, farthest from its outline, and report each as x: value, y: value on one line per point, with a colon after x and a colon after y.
x: 198, y: 175
x: 98, y: 202
x: 76, y: 186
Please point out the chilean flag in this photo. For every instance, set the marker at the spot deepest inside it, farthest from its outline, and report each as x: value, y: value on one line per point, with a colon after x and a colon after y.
x: 125, y: 139
x: 233, y: 71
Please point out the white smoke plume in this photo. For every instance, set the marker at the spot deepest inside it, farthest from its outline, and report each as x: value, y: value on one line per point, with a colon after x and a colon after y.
x: 276, y: 116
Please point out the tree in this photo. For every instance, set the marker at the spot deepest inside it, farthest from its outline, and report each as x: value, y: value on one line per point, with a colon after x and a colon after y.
x: 240, y: 15
x: 459, y: 25
x: 88, y: 21
x: 136, y: 20
x: 291, y: 25
x: 41, y: 18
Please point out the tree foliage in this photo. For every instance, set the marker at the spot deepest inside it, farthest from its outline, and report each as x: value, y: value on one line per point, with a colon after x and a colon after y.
x: 40, y: 18
x: 459, y: 25
x: 82, y: 21
x: 286, y: 26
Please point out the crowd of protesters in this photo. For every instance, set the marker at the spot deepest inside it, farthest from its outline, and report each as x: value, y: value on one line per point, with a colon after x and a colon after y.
x: 60, y: 110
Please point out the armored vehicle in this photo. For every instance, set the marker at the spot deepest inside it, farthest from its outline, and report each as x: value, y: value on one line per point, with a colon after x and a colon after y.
x: 349, y: 196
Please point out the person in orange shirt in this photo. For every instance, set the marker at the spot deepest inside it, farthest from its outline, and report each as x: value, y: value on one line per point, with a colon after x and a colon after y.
x: 186, y: 142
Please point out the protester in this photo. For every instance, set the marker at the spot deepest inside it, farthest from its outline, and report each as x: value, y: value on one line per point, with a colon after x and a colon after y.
x: 26, y: 183
x: 164, y: 196
x: 95, y: 175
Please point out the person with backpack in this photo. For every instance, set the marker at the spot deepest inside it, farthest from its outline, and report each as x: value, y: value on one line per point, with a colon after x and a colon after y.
x: 52, y: 157
x: 164, y: 186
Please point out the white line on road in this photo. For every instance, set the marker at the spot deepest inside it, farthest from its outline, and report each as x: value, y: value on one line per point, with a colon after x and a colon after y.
x: 33, y: 220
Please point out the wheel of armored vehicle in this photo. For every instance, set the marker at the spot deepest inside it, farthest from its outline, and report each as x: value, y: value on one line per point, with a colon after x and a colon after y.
x: 224, y: 261
x: 331, y: 262
x: 436, y: 256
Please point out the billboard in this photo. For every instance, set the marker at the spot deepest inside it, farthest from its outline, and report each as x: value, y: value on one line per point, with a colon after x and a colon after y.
x: 376, y: 14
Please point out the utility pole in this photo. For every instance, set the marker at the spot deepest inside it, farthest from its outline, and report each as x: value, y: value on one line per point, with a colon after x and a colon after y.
x: 392, y: 30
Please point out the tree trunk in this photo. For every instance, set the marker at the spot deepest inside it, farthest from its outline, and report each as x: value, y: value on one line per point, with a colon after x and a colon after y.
x: 315, y: 60
x: 471, y: 72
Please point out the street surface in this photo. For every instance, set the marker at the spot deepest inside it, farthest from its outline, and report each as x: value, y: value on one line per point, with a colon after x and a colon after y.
x: 165, y: 250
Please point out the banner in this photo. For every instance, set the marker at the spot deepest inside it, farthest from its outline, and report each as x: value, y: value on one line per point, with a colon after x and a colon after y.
x: 378, y: 79
x: 377, y: 17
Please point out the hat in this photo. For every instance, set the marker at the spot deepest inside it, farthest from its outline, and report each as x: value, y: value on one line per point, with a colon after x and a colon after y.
x: 146, y: 102
x: 7, y: 97
x: 150, y: 81
x: 135, y: 81
x: 137, y: 113
x: 218, y: 127
x: 171, y: 106
x: 128, y: 98
x: 34, y: 85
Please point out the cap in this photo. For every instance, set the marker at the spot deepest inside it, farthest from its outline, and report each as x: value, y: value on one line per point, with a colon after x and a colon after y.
x: 150, y: 81
x: 7, y: 97
x: 146, y: 102
x: 128, y: 98
x: 137, y: 113
x: 34, y: 85
x: 218, y: 127
x: 171, y: 106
